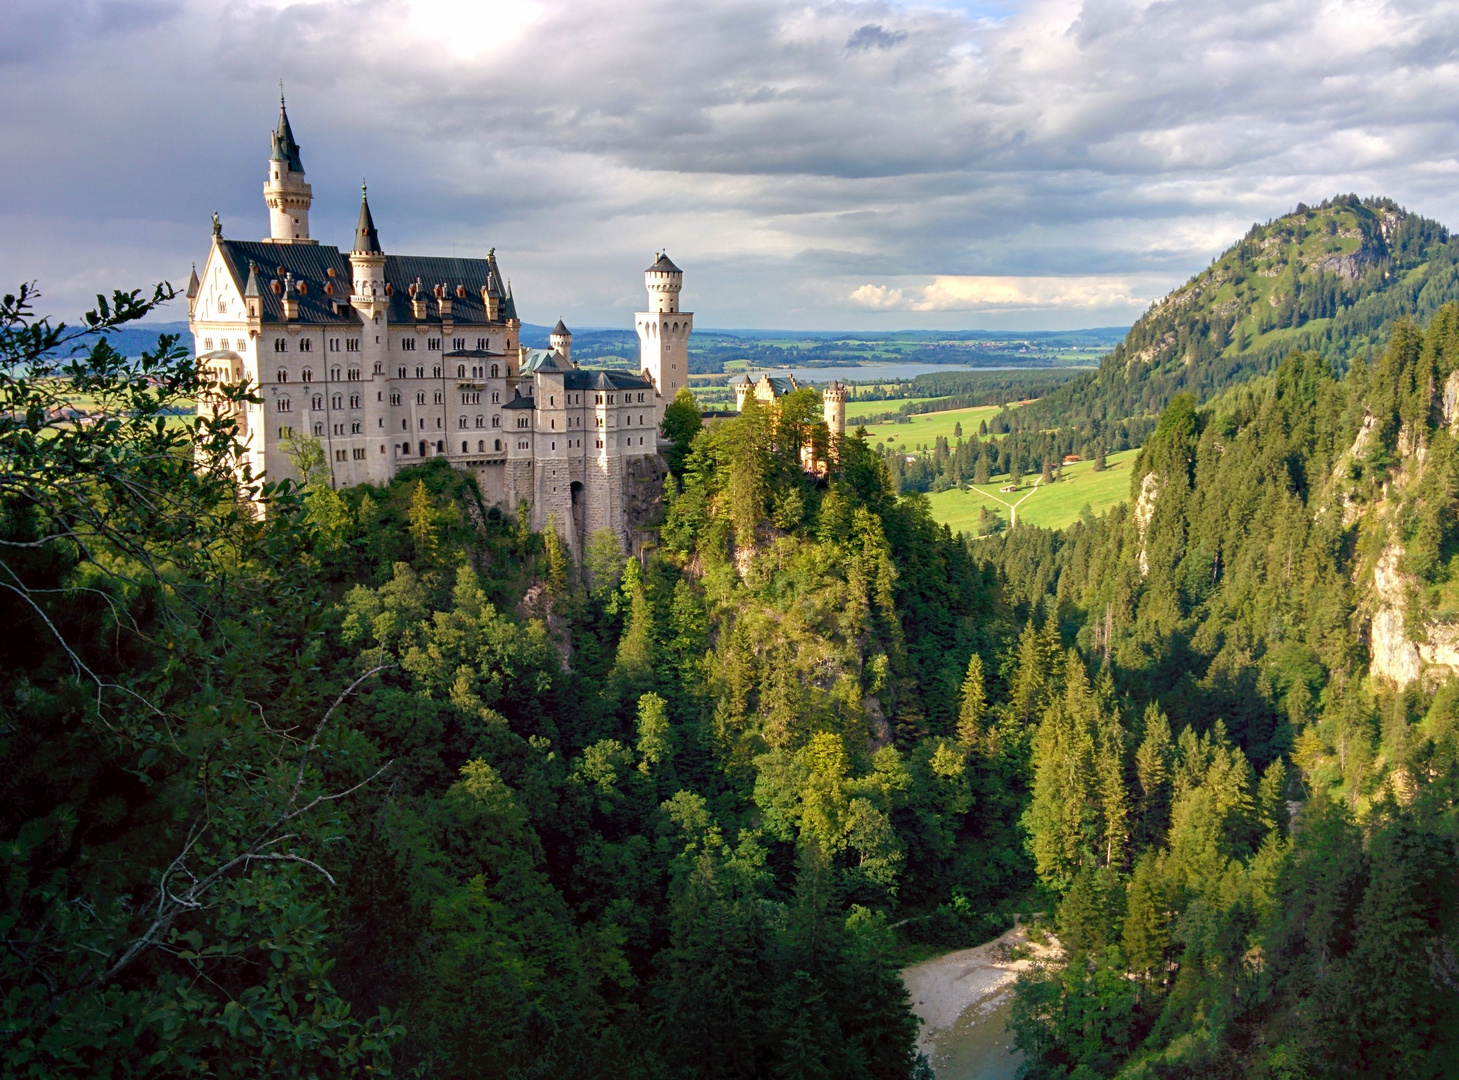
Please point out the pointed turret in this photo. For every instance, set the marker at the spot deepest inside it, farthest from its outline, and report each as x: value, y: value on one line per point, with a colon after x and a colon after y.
x: 509, y: 309
x: 285, y: 192
x: 193, y: 286
x: 367, y: 240
x: 560, y: 340
x: 286, y: 149
x: 253, y: 293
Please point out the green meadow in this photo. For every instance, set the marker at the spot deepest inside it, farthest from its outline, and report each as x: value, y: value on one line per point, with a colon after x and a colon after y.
x: 925, y: 427
x: 1050, y: 506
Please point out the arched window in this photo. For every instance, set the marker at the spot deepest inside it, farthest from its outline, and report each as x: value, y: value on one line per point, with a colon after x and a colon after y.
x: 496, y: 444
x: 281, y: 345
x: 420, y: 397
x: 436, y: 372
x: 336, y: 401
x: 440, y: 447
x: 462, y: 424
x: 460, y: 371
x: 354, y: 401
x: 481, y: 446
x: 285, y: 405
x: 463, y: 446
x: 316, y: 402
x: 334, y: 374
x: 283, y: 376
x: 481, y: 421
x: 307, y: 375
x: 318, y: 429
x: 495, y: 368
x: 420, y: 373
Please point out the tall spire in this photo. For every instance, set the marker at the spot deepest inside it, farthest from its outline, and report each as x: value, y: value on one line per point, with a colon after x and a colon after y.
x: 285, y: 148
x: 367, y: 240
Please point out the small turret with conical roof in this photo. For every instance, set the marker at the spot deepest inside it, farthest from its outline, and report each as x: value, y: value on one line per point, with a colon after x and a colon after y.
x: 193, y: 287
x: 285, y: 192
x: 367, y: 263
x: 560, y: 341
x: 367, y: 240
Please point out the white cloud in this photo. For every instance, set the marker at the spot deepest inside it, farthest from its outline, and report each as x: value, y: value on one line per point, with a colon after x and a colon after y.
x: 961, y: 162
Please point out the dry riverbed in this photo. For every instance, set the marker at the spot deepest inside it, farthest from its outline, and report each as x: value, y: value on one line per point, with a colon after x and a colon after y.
x: 964, y: 999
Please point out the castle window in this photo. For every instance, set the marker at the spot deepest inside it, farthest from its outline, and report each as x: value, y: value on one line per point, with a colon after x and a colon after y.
x: 358, y: 453
x: 481, y: 421
x: 521, y: 445
x: 610, y: 399
x: 405, y: 449
x: 640, y: 399
x: 494, y: 370
x: 354, y: 401
x: 420, y: 373
x: 420, y: 397
x: 307, y: 375
x: 282, y: 375
x: 440, y: 422
x: 354, y: 374
x: 306, y: 344
x: 463, y: 446
x: 318, y: 429
x: 339, y: 429
x: 496, y: 397
x: 433, y: 344
x: 407, y: 344
x: 400, y: 373
x: 521, y: 421
x: 286, y: 432
x: 334, y: 374
x: 481, y: 446
x: 316, y: 402
x: 285, y: 405
x: 440, y: 398
x: 334, y: 344
x: 436, y: 372
x: 460, y: 371
x: 496, y: 444
x: 481, y: 344
x: 352, y: 344
x: 461, y: 423
x: 208, y: 344
x: 394, y: 397
x: 440, y: 447
x: 356, y: 428
x: 380, y: 370
x: 336, y: 402
x: 496, y: 421
x: 222, y: 305
x: 458, y: 343
x: 339, y: 455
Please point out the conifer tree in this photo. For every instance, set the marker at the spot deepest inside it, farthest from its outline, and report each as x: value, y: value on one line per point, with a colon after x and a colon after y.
x: 655, y: 741
x: 1152, y: 769
x: 1146, y: 933
x: 634, y: 667
x: 557, y: 560
x: 972, y: 706
x: 423, y: 531
x: 980, y: 470
x: 1099, y: 462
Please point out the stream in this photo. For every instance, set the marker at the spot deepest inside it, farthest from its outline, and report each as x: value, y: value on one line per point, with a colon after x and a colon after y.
x: 964, y: 1000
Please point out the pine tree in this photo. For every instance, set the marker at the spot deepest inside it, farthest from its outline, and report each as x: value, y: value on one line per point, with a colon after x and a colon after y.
x: 557, y: 560
x: 1099, y: 462
x: 980, y: 470
x: 1146, y: 933
x: 1152, y: 768
x: 957, y: 430
x: 655, y: 741
x: 973, y: 705
x: 422, y: 528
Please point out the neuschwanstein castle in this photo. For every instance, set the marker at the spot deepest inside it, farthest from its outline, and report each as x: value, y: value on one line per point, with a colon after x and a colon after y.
x: 387, y: 360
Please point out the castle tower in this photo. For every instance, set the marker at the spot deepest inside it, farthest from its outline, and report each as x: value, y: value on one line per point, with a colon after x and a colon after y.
x: 833, y: 408
x: 285, y: 192
x: 663, y: 330
x: 560, y: 341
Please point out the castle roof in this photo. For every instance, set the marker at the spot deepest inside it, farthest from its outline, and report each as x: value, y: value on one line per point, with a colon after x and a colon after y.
x: 662, y: 265
x: 544, y: 360
x: 311, y: 263
x: 581, y: 379
x: 193, y: 285
x: 520, y: 402
x: 561, y: 330
x: 285, y: 148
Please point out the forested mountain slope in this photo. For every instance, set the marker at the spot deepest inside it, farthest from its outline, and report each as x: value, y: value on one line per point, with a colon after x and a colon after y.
x: 1331, y: 279
x: 1250, y: 813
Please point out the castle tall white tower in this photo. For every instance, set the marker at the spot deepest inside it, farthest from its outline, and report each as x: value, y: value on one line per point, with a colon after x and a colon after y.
x: 663, y: 330
x: 287, y: 195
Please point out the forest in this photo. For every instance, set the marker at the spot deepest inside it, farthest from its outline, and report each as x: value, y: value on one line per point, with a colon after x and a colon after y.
x: 382, y: 782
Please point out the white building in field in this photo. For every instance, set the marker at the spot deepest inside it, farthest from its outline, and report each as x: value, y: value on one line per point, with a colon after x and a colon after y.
x: 388, y: 360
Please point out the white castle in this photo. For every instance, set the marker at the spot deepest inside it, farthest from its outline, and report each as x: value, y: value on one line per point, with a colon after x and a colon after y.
x: 388, y: 360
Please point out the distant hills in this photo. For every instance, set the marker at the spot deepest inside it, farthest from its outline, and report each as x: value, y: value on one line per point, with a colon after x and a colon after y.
x: 1332, y: 279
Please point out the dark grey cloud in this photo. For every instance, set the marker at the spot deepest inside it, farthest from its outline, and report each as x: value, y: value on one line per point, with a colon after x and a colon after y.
x: 788, y: 154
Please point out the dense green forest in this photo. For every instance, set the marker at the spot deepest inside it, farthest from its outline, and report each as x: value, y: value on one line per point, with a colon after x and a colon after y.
x: 380, y: 782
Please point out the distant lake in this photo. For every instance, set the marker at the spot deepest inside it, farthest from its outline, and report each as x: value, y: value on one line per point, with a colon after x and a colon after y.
x: 878, y: 372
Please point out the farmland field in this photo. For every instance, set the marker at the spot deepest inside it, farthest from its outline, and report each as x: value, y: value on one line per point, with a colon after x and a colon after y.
x: 925, y: 427
x: 1051, y: 506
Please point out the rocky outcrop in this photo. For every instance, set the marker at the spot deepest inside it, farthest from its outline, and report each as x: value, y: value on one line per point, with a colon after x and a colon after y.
x: 1349, y: 267
x: 1393, y: 655
x: 1144, y: 511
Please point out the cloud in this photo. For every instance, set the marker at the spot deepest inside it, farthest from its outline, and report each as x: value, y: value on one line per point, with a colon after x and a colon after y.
x: 789, y: 155
x: 872, y: 36
x: 1021, y: 294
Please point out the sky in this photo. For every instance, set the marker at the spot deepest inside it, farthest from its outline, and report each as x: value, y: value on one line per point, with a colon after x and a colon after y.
x: 1048, y: 164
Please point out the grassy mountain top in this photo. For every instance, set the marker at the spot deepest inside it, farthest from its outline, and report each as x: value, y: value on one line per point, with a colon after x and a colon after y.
x: 1332, y: 278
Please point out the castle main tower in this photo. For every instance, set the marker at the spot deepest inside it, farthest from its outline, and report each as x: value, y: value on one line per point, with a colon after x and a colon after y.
x: 663, y: 330
x: 286, y: 194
